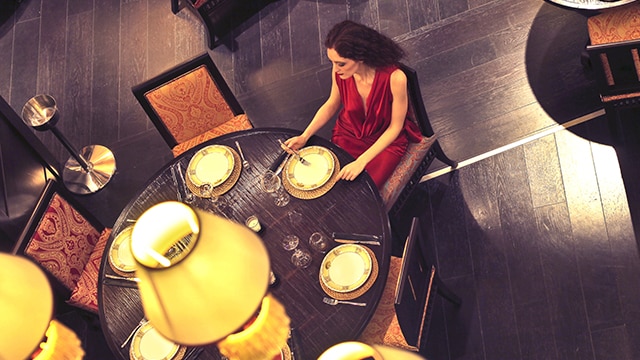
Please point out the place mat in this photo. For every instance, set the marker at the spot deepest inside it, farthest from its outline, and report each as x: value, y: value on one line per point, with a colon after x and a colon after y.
x: 135, y: 351
x: 316, y: 193
x: 115, y: 262
x: 226, y: 185
x: 286, y: 352
x: 359, y: 291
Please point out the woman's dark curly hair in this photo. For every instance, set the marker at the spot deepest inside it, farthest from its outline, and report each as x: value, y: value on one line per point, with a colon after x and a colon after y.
x: 361, y: 43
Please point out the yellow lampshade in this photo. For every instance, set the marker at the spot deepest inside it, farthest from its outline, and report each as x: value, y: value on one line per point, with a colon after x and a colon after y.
x: 354, y: 350
x: 26, y: 306
x: 202, y: 277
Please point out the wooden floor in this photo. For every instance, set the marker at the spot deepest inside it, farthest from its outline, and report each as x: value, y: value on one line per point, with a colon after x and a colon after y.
x: 537, y: 238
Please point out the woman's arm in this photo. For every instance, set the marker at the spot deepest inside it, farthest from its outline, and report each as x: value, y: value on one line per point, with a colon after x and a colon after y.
x: 399, y: 108
x: 322, y: 116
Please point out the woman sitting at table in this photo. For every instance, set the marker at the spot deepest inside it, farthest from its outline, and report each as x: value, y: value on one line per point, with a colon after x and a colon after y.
x: 372, y: 125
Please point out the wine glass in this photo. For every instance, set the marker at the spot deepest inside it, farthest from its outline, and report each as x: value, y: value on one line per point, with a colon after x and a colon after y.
x: 218, y: 203
x: 271, y: 183
x: 319, y: 242
x: 301, y: 258
x: 290, y: 242
x: 295, y: 218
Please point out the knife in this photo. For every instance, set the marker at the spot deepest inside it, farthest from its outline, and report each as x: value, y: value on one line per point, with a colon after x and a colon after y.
x: 350, y: 238
x: 296, y: 153
x: 278, y: 161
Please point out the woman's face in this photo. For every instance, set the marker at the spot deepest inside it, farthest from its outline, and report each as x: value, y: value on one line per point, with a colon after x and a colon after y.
x: 345, y: 68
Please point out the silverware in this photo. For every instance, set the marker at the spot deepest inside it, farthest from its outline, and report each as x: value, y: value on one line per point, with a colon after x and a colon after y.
x: 245, y: 163
x: 281, y: 166
x: 332, y: 301
x: 133, y: 332
x: 296, y: 153
x: 116, y: 277
x: 347, y: 238
x: 349, y: 241
x: 189, y: 197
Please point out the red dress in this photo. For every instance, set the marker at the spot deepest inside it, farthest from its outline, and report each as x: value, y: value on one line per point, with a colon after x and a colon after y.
x: 355, y: 132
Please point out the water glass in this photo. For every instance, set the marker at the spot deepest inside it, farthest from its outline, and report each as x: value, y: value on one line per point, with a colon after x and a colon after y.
x: 319, y: 242
x: 301, y: 258
x: 290, y: 242
x: 271, y: 183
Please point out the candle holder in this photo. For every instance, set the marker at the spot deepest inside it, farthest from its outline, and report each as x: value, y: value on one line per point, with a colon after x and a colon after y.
x: 86, y: 171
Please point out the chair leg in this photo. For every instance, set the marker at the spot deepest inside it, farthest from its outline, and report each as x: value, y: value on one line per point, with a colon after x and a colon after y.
x: 175, y: 6
x: 440, y: 155
x: 444, y: 291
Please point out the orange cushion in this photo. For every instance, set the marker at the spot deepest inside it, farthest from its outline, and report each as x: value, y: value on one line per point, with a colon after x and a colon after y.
x: 85, y: 294
x: 190, y: 104
x: 384, y: 327
x: 405, y: 169
x: 237, y: 123
x: 63, y: 241
x: 617, y: 24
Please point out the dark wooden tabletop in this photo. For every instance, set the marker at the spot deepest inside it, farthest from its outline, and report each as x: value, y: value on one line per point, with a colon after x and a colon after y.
x: 591, y: 4
x: 351, y: 207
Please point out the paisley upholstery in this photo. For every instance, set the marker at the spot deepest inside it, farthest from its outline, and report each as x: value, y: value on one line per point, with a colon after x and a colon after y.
x: 85, y: 294
x: 384, y: 328
x: 63, y: 241
x: 411, y: 160
x: 190, y: 105
x: 617, y: 24
x: 236, y: 123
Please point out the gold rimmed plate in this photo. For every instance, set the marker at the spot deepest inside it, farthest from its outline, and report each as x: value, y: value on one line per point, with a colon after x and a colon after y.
x: 212, y: 164
x: 149, y: 344
x: 315, y: 173
x: 346, y: 268
x: 120, y: 256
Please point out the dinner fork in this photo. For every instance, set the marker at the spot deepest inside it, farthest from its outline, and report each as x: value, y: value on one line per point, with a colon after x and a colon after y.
x: 245, y: 163
x: 133, y: 332
x: 332, y: 301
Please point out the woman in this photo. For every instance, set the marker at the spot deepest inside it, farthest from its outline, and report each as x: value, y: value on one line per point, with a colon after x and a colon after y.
x: 372, y: 125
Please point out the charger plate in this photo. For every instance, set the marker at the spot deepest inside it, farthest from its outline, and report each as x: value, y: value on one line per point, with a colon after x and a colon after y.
x: 223, y: 187
x: 315, y: 173
x: 212, y: 164
x: 148, y: 344
x: 317, y: 192
x: 120, y: 257
x: 359, y: 291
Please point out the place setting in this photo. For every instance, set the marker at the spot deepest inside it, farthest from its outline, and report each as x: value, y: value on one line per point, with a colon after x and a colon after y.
x: 213, y: 171
x: 148, y: 344
x: 310, y: 172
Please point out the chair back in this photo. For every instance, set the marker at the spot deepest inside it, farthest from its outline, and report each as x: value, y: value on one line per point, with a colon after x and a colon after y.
x: 616, y: 67
x: 415, y: 288
x: 417, y: 111
x: 187, y: 100
x: 61, y: 236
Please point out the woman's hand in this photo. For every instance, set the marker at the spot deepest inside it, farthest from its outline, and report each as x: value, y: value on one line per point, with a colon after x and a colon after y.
x: 352, y: 170
x: 295, y: 143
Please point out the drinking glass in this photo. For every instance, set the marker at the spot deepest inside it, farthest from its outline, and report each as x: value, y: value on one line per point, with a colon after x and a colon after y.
x: 290, y: 242
x: 271, y: 183
x: 218, y: 204
x: 301, y: 258
x: 295, y: 218
x: 319, y: 242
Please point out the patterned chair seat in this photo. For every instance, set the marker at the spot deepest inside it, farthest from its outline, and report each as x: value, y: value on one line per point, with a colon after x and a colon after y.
x: 614, y: 25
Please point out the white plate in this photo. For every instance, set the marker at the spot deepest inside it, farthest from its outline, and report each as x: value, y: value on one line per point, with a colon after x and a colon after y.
x: 120, y: 255
x: 149, y: 344
x: 210, y: 165
x: 346, y: 267
x: 313, y: 175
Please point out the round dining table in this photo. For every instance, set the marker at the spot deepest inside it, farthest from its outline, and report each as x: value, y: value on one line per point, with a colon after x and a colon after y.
x: 349, y: 207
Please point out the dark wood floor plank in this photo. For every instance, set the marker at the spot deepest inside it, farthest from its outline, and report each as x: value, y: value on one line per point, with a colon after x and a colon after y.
x: 78, y: 79
x: 161, y: 42
x: 304, y: 30
x: 561, y: 277
x: 104, y: 99
x: 275, y: 43
x: 133, y: 62
x: 612, y: 344
x: 422, y: 13
x: 394, y: 17
x: 543, y: 168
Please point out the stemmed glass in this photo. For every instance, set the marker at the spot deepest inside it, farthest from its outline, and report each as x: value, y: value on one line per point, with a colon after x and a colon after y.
x: 271, y: 183
x: 319, y: 242
x: 301, y: 258
x: 218, y: 203
x: 290, y: 242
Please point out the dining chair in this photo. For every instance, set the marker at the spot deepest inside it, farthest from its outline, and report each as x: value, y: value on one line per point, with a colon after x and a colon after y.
x: 398, y: 188
x: 67, y: 241
x: 614, y: 60
x: 403, y: 315
x: 190, y: 104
